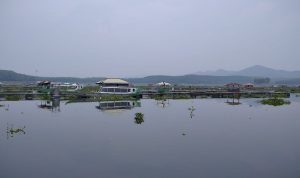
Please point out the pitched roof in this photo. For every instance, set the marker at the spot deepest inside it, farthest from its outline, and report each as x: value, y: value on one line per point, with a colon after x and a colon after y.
x: 116, y: 81
x: 43, y: 82
x: 232, y: 84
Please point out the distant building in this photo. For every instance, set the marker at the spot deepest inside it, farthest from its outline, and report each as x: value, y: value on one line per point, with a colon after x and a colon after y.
x: 49, y: 87
x: 116, y: 86
x: 233, y: 87
x: 44, y: 86
x: 163, y: 87
x: 67, y: 86
x: 248, y: 86
x: 163, y: 84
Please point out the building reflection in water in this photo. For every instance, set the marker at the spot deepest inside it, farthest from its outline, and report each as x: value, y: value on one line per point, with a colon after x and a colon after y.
x: 52, y: 105
x: 233, y: 101
x: 117, y: 105
x: 162, y: 103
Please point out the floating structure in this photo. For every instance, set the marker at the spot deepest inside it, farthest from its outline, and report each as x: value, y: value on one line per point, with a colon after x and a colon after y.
x: 116, y: 86
x: 233, y: 87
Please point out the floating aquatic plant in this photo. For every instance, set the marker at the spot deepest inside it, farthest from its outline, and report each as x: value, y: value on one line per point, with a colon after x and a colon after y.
x: 139, y: 118
x: 274, y: 101
x: 13, y: 130
x: 13, y: 98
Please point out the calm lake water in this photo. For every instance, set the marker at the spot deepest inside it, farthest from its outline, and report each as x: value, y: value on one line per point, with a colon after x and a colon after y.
x: 216, y: 140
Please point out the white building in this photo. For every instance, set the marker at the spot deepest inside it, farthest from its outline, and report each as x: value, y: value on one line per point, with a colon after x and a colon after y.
x: 116, y: 86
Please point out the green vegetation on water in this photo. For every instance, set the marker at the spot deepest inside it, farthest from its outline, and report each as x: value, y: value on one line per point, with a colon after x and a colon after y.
x: 164, y: 97
x: 44, y: 97
x: 13, y: 130
x: 276, y: 95
x: 18, y: 88
x: 182, y: 97
x: 274, y: 101
x: 139, y: 118
x: 13, y: 98
x: 89, y: 89
x: 289, y: 90
x: 71, y: 97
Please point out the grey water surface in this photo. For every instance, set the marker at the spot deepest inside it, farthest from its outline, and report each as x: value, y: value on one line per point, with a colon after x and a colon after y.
x: 215, y: 140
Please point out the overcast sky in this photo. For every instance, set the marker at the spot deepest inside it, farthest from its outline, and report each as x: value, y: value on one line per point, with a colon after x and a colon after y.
x: 115, y: 38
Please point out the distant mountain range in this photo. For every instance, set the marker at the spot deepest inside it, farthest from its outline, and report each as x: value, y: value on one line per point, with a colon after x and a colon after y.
x: 191, y: 79
x: 206, y: 78
x: 11, y: 76
x: 255, y: 71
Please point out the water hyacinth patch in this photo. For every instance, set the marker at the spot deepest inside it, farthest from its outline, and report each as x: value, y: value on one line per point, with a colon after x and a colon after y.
x: 274, y: 101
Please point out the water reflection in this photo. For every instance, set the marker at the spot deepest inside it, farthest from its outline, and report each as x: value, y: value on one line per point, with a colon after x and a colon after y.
x: 214, y: 139
x: 192, y: 109
x: 52, y: 105
x: 163, y: 103
x: 5, y: 107
x: 117, y: 105
x: 233, y: 101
